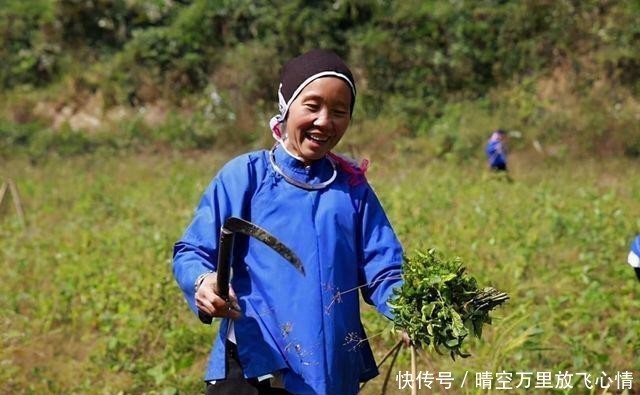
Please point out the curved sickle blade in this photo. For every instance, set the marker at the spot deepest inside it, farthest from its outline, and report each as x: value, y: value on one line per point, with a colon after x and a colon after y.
x: 239, y: 225
x: 233, y: 225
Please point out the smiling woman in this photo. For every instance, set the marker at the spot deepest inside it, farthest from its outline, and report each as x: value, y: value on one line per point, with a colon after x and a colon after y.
x: 287, y: 332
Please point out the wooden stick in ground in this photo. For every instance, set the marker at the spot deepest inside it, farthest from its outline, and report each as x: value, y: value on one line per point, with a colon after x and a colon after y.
x: 3, y: 190
x: 414, y: 387
x: 16, y: 201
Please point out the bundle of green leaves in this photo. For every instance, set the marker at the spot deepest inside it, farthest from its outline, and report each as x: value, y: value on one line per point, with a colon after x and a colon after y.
x: 439, y: 305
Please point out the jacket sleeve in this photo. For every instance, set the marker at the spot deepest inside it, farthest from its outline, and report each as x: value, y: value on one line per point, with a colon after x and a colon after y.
x: 196, y: 252
x: 381, y: 254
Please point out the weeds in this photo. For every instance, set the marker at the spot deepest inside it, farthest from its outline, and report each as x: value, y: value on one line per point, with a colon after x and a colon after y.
x: 88, y: 300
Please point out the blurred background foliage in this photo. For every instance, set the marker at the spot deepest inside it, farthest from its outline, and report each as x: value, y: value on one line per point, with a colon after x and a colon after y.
x: 563, y: 74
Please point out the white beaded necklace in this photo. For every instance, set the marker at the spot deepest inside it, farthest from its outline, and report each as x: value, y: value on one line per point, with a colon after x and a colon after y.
x: 300, y: 184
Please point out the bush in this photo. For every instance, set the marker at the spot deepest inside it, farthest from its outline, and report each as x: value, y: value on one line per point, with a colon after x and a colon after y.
x: 176, y: 58
x: 29, y: 55
x: 104, y: 25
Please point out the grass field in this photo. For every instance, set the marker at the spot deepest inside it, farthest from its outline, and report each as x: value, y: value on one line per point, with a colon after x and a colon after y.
x: 89, y: 304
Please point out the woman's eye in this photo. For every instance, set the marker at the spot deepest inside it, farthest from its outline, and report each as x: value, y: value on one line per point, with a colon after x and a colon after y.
x: 339, y: 113
x: 312, y: 106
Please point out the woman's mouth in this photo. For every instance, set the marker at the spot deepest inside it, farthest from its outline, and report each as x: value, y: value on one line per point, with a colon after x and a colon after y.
x: 320, y: 139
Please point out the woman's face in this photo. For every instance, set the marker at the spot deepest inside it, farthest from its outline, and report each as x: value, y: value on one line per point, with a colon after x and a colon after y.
x: 318, y: 118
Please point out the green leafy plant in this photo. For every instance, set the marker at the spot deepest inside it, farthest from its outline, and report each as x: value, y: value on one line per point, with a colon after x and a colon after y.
x: 438, y: 305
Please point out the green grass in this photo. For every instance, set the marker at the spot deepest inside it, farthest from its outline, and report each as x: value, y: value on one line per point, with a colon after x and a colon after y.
x: 89, y: 303
x: 556, y: 240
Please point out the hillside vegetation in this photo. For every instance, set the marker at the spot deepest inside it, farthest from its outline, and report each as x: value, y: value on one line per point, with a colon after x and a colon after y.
x: 79, y: 76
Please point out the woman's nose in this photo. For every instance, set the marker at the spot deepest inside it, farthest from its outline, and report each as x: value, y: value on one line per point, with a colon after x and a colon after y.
x: 322, y: 118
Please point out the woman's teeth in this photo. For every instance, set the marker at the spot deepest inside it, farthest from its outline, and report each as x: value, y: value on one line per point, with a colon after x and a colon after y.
x: 317, y: 138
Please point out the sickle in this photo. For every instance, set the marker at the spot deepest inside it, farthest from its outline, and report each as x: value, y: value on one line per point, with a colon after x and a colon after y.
x: 233, y: 225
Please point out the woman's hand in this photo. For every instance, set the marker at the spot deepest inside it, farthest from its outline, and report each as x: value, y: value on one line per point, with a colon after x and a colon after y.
x: 405, y: 339
x: 209, y: 302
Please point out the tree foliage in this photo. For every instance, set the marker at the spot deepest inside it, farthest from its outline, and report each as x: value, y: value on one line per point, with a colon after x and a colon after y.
x: 424, y: 50
x: 412, y: 59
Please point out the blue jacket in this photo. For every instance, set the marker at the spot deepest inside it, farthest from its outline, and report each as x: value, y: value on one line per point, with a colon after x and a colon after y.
x: 496, y: 155
x: 308, y: 327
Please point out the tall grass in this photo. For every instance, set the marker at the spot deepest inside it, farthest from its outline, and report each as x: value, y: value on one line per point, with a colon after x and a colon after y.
x: 89, y: 303
x: 555, y: 239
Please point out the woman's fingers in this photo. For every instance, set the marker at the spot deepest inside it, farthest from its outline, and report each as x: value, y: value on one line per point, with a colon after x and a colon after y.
x: 204, y: 304
x: 212, y: 304
x: 233, y: 299
x: 406, y: 340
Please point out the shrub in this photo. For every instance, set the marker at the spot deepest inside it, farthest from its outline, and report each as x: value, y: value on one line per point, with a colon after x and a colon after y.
x: 28, y: 55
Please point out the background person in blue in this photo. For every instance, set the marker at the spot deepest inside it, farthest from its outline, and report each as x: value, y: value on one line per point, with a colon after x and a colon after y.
x: 496, y: 151
x: 295, y: 334
x: 634, y: 256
